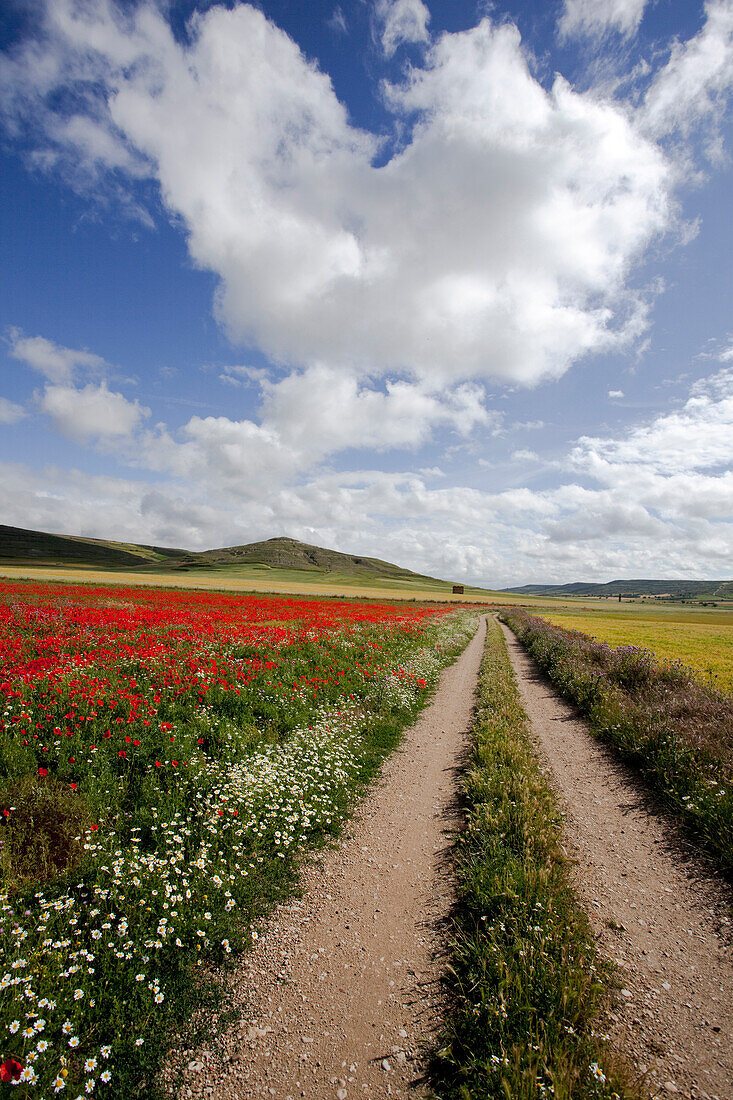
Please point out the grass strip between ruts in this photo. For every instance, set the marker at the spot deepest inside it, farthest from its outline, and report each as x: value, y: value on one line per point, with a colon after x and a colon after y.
x: 525, y: 984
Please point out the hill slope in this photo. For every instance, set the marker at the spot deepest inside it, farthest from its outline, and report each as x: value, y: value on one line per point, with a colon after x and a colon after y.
x: 19, y: 545
x: 285, y: 553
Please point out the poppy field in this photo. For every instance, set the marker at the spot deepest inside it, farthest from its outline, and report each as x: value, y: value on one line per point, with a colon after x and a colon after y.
x: 165, y: 759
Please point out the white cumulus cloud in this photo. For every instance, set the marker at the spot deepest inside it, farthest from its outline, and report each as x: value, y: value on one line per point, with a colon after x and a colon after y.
x: 498, y: 242
x: 91, y: 411
x: 624, y: 503
x: 55, y: 362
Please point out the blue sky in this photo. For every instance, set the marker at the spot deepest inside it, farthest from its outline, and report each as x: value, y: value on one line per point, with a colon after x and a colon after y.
x: 444, y: 282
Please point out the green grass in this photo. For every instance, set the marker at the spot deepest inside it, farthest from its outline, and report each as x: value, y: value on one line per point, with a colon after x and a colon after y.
x: 525, y: 983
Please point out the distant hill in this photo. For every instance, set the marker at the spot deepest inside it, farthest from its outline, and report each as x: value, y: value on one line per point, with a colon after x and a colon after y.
x: 40, y: 548
x: 677, y: 589
x: 285, y: 553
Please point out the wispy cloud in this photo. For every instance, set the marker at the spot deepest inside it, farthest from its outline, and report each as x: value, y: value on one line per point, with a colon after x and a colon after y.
x: 596, y: 18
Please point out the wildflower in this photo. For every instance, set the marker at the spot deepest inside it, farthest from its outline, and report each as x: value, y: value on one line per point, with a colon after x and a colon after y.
x: 105, y: 1051
x: 105, y: 1076
x: 12, y: 1028
x: 59, y: 1085
x: 74, y: 1041
x: 90, y: 1064
x: 10, y: 1070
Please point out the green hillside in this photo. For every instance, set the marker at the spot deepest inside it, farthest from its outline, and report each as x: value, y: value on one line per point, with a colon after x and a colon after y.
x: 21, y: 546
x: 284, y: 553
x: 18, y: 545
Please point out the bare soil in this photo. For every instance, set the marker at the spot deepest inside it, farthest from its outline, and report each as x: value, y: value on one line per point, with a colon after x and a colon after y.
x: 657, y: 908
x: 341, y: 995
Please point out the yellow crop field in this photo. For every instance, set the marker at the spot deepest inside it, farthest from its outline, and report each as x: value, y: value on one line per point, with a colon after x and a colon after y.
x: 701, y: 638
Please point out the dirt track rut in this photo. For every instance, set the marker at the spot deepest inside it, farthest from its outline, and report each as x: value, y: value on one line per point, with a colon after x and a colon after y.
x: 655, y: 907
x: 341, y: 995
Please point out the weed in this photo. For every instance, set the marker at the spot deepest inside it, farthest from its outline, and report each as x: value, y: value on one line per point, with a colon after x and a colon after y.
x: 660, y: 717
x: 525, y: 984
x: 43, y: 835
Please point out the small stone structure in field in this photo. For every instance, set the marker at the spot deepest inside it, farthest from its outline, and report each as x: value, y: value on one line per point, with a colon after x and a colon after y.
x: 457, y: 589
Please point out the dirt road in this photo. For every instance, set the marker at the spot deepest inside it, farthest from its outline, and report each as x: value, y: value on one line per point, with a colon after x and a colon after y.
x: 342, y: 992
x: 655, y: 908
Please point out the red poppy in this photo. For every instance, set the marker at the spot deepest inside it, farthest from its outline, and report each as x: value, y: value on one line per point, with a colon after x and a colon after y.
x: 122, y: 753
x: 10, y: 1070
x: 174, y: 763
x: 73, y: 786
x: 94, y: 828
x: 158, y: 764
x: 43, y: 771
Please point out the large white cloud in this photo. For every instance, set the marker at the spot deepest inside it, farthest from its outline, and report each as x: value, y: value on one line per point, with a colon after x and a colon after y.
x: 497, y: 242
x: 305, y: 420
